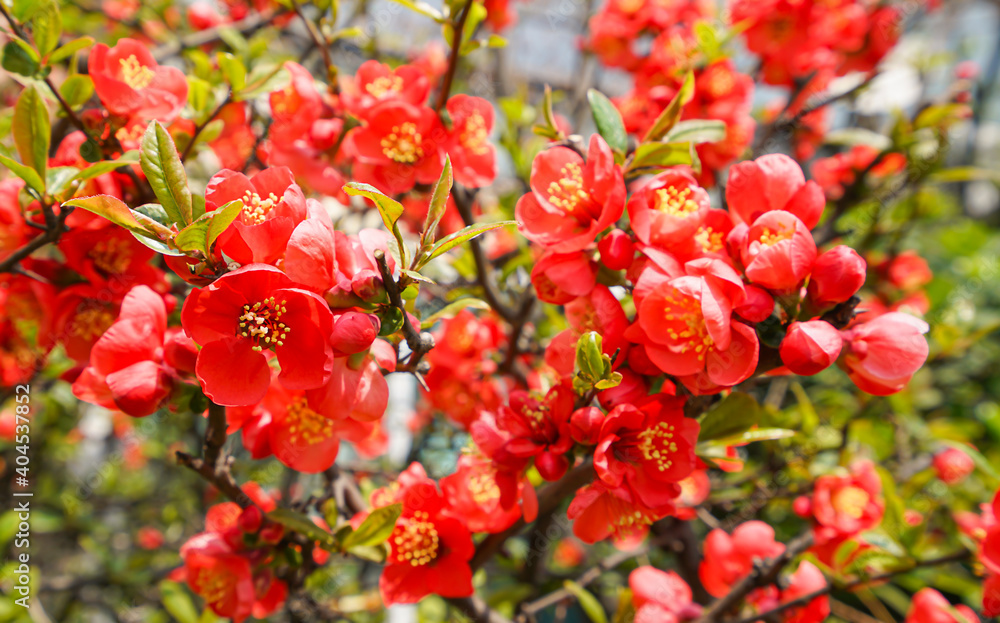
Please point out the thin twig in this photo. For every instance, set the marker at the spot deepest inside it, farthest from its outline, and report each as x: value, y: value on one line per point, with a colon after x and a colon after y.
x: 458, y: 30
x: 420, y: 343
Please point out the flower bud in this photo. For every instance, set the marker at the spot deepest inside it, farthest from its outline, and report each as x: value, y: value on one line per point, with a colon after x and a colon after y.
x: 810, y: 347
x: 272, y: 533
x: 758, y: 305
x: 836, y: 276
x: 250, y: 519
x: 551, y: 466
x: 367, y: 284
x: 354, y: 332
x: 617, y: 250
x: 952, y: 465
x: 585, y: 425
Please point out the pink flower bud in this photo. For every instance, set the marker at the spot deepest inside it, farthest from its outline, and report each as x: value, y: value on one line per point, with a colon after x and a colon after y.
x: 354, y: 332
x: 617, y: 250
x: 757, y: 306
x: 836, y: 276
x: 952, y: 465
x: 810, y: 347
x: 585, y: 425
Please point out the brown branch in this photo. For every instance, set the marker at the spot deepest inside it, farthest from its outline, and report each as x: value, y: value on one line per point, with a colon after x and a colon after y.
x: 549, y: 499
x: 860, y: 583
x: 195, y: 40
x: 456, y: 51
x: 201, y: 126
x: 463, y: 201
x: 529, y: 609
x: 764, y: 576
x: 477, y: 610
x: 212, y: 466
x: 420, y: 343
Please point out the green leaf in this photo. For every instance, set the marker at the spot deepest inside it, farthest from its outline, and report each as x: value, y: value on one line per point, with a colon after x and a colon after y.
x: 232, y: 70
x: 608, y: 120
x: 199, y: 235
x: 76, y: 90
x: 439, y: 201
x: 32, y: 131
x: 672, y: 113
x: 389, y: 208
x: 192, y: 237
x: 451, y: 310
x: 857, y: 136
x: 734, y: 414
x: 178, y: 602
x: 750, y: 436
x: 70, y: 49
x: 964, y: 174
x: 165, y: 173
x: 661, y: 155
x: 422, y: 8
x: 590, y: 356
x: 463, y: 235
x: 26, y: 173
x: 222, y: 218
x: 106, y: 166
x: 118, y: 213
x: 46, y: 26
x: 697, y: 131
x: 591, y: 606
x: 375, y: 529
x: 19, y: 58
x: 302, y: 524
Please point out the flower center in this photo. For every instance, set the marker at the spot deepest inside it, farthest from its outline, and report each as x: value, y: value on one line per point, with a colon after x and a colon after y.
x: 213, y: 585
x: 305, y: 426
x: 136, y: 75
x: 112, y: 256
x: 676, y: 202
x: 91, y: 322
x: 384, y: 84
x: 403, y: 144
x: 261, y: 323
x: 415, y: 540
x: 851, y: 501
x: 474, y: 135
x: 686, y: 325
x: 769, y: 238
x: 720, y: 84
x: 657, y: 445
x: 484, y: 489
x: 568, y: 193
x: 256, y: 209
x: 710, y: 241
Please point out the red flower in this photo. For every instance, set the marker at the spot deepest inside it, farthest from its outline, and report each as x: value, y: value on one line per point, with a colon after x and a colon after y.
x: 952, y: 465
x: 83, y: 314
x: 849, y: 503
x: 599, y: 511
x: 474, y: 496
x: 127, y: 370
x: 531, y: 428
x: 778, y: 252
x: 730, y: 558
x: 907, y: 271
x: 806, y: 580
x: 223, y: 578
x: 883, y: 353
x: 295, y: 108
x: 668, y: 211
x: 273, y: 205
x: 111, y: 257
x: 131, y: 83
x: 685, y: 325
x: 376, y: 82
x: 429, y: 550
x: 645, y: 448
x: 559, y: 278
x: 357, y: 388
x: 930, y: 606
x: 773, y: 182
x: 598, y: 311
x: 473, y: 156
x: 401, y: 145
x: 810, y: 347
x: 236, y: 141
x: 246, y: 311
x: 660, y: 596
x: 571, y: 200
